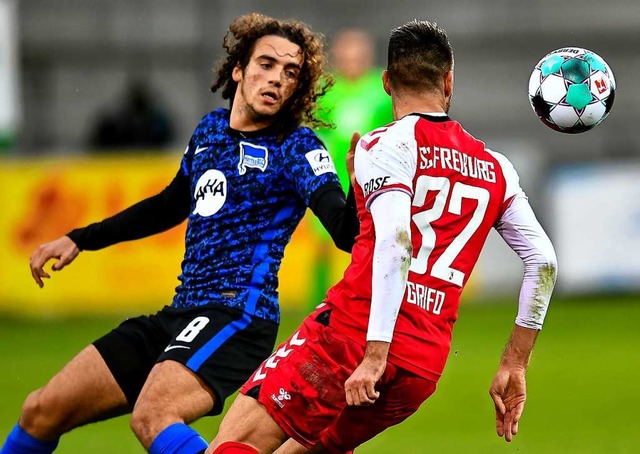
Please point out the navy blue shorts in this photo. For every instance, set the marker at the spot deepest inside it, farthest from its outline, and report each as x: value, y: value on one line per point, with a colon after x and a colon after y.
x: 220, y: 345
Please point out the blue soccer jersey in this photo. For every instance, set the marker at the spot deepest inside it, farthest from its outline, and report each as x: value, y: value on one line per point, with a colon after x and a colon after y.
x: 249, y: 191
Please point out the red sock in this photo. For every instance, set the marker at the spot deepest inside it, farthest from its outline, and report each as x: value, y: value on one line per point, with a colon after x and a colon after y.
x: 233, y: 447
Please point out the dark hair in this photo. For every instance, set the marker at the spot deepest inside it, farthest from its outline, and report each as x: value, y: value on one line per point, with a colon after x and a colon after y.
x: 419, y: 56
x: 239, y: 43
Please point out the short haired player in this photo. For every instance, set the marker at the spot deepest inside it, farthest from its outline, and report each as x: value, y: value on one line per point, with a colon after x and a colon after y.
x: 428, y: 194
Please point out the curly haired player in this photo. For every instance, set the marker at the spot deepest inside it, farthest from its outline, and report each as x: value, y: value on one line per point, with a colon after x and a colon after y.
x: 244, y: 183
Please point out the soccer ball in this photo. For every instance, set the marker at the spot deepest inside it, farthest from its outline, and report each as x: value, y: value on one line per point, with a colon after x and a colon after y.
x: 572, y: 90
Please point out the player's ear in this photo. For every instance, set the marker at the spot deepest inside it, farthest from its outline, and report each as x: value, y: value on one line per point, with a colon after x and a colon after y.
x: 236, y: 74
x: 385, y: 82
x: 448, y: 84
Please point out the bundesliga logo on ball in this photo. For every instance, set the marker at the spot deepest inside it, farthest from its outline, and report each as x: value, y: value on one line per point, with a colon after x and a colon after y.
x: 572, y: 90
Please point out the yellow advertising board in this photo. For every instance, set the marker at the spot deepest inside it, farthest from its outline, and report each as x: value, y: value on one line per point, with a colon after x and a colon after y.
x: 44, y: 199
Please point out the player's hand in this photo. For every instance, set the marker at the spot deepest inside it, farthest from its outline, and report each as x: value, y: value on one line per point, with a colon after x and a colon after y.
x: 350, y: 154
x: 63, y: 249
x: 360, y: 387
x: 509, y: 393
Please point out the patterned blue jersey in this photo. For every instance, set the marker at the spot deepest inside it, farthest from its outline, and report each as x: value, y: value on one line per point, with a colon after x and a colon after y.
x: 249, y: 191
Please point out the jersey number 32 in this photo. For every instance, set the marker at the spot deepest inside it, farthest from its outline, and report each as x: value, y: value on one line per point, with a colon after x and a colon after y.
x: 423, y: 220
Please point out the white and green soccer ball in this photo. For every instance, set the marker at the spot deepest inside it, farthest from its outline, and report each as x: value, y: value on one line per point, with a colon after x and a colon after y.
x: 572, y: 90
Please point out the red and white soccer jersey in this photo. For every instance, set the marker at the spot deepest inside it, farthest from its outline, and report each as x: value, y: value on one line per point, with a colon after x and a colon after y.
x: 459, y: 190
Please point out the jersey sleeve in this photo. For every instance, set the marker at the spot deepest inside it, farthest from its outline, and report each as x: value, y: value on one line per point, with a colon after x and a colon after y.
x: 187, y: 157
x: 308, y: 165
x: 385, y: 161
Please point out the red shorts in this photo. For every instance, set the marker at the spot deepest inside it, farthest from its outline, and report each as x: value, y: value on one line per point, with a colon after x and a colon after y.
x: 302, y: 387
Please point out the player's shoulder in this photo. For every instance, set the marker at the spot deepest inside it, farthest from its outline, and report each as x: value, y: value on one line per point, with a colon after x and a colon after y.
x: 506, y: 168
x: 391, y: 136
x: 211, y: 124
x: 302, y: 132
x: 215, y: 117
x: 502, y: 159
x: 302, y: 140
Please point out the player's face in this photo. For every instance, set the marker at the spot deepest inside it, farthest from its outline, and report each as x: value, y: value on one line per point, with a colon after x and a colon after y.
x: 268, y: 81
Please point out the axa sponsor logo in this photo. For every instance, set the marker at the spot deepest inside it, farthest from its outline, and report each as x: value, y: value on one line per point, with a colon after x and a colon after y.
x: 374, y: 184
x: 210, y: 193
x: 252, y: 156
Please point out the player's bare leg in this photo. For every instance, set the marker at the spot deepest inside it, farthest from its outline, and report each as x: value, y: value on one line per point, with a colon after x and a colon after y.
x: 249, y: 423
x: 172, y: 394
x: 83, y: 391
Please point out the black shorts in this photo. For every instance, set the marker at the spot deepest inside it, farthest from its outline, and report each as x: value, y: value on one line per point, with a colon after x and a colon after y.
x: 220, y: 345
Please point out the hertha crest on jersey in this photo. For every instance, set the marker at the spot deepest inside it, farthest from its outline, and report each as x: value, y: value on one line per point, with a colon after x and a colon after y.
x: 252, y: 156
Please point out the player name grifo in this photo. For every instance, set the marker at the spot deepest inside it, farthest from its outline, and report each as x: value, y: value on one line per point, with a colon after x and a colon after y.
x: 429, y: 299
x: 452, y: 159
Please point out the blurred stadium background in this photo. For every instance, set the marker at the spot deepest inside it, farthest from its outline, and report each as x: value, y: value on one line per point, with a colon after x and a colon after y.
x: 64, y: 63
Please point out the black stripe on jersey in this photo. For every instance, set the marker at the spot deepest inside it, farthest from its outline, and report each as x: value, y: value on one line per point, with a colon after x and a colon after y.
x: 434, y: 118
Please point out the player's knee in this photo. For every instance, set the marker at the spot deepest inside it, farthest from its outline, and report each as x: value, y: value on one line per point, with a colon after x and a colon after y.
x: 41, y: 417
x: 147, y: 421
x: 141, y: 423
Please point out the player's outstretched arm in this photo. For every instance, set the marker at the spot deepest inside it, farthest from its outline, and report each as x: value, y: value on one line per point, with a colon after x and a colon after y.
x: 148, y: 217
x: 63, y: 249
x: 509, y: 388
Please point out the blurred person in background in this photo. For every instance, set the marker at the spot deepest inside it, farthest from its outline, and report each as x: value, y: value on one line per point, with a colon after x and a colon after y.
x: 428, y: 194
x: 356, y: 102
x: 245, y: 180
x: 139, y: 122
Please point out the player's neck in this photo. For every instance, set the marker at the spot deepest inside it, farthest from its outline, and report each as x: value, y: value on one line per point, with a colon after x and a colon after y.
x: 248, y: 124
x: 406, y: 104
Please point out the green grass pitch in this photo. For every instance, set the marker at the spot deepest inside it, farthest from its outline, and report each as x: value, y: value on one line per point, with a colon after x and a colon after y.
x: 583, y: 383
